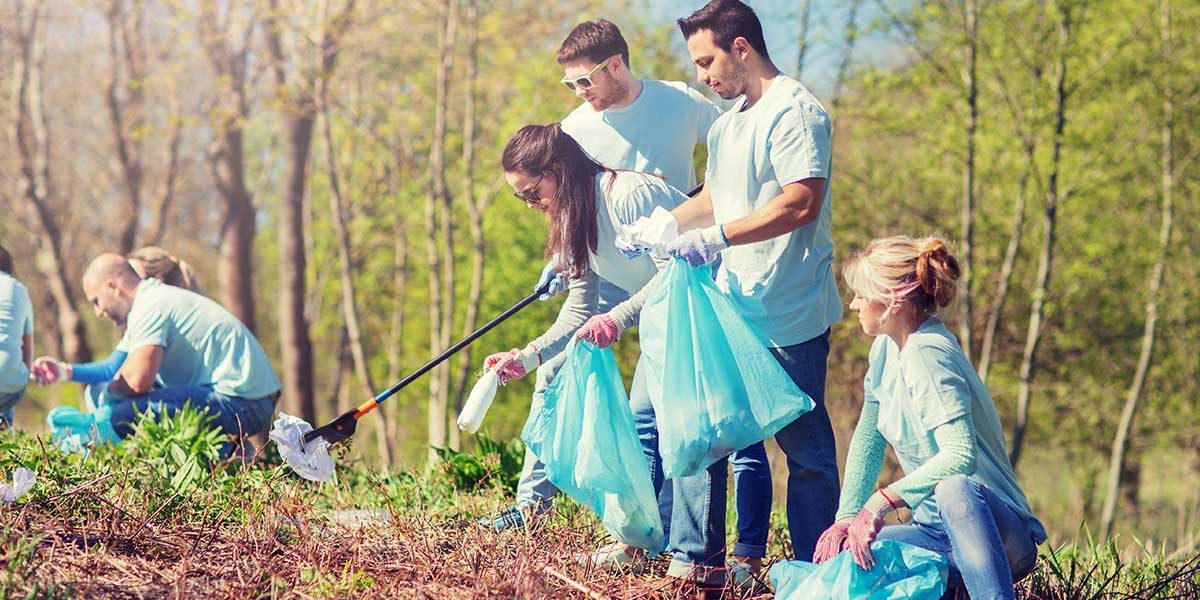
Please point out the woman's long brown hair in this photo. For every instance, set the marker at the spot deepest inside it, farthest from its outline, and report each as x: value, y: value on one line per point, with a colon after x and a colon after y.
x: 545, y: 149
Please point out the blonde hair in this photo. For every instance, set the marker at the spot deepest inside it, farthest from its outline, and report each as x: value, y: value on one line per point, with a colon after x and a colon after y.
x: 900, y: 270
x: 152, y: 261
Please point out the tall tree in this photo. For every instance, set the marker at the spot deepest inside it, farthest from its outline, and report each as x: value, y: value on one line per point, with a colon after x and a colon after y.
x: 1117, y: 461
x: 1050, y: 216
x: 802, y: 33
x: 441, y: 287
x: 295, y: 84
x: 226, y: 31
x: 125, y: 97
x: 967, y: 206
x: 31, y: 137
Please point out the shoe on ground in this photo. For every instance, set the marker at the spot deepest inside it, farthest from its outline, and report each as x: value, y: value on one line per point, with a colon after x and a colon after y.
x: 702, y: 576
x: 744, y: 582
x: 613, y: 557
x: 509, y: 518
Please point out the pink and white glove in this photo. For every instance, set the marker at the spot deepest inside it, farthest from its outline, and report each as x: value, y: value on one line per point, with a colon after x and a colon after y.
x: 832, y: 541
x: 46, y: 370
x: 866, y: 525
x: 513, y: 364
x: 600, y: 330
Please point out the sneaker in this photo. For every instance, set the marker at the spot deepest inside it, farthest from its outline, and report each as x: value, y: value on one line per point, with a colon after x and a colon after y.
x: 744, y: 581
x: 613, y: 557
x: 704, y: 577
x: 509, y: 518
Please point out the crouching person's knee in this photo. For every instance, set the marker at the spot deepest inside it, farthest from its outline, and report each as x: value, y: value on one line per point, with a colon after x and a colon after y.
x: 956, y: 495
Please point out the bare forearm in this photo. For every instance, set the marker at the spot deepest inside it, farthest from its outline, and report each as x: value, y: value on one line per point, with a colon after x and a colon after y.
x: 696, y: 212
x: 27, y: 350
x: 797, y: 206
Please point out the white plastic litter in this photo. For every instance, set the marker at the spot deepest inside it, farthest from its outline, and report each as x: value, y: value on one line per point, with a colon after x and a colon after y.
x: 23, y: 480
x: 310, y: 461
x: 650, y: 233
x: 478, y: 402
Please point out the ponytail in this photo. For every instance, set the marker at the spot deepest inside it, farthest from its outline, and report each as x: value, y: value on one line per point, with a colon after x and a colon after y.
x: 899, y: 270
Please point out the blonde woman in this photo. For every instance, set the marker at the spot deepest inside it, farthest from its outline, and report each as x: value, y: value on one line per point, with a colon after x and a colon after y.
x: 148, y: 261
x: 923, y: 397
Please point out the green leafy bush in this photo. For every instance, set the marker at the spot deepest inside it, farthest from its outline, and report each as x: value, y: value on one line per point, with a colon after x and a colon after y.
x: 492, y: 463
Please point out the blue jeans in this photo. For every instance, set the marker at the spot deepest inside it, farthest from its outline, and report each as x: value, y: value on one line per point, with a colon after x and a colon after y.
x: 987, y: 544
x: 8, y: 405
x: 233, y: 415
x: 812, y: 492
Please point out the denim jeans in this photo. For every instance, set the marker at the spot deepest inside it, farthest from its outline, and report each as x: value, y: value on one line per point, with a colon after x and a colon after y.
x: 812, y: 492
x: 987, y: 544
x: 233, y: 415
x: 8, y: 405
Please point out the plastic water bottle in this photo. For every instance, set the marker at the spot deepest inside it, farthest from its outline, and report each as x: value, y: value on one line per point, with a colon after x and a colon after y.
x: 478, y: 402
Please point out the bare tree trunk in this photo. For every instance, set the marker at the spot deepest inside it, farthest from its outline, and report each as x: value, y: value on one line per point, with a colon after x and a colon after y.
x: 166, y: 194
x: 441, y: 304
x: 125, y: 101
x: 399, y: 285
x: 300, y: 110
x: 32, y: 140
x: 1117, y: 462
x: 229, y: 60
x: 1010, y: 253
x: 337, y: 209
x: 802, y: 27
x: 967, y: 207
x: 851, y: 39
x: 1046, y: 258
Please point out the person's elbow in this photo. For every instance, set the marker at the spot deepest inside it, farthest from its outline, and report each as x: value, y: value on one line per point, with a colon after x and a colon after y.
x: 139, y: 383
x: 802, y: 204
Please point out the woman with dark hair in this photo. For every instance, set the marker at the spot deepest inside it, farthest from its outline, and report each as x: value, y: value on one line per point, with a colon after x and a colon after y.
x: 16, y: 338
x: 587, y: 204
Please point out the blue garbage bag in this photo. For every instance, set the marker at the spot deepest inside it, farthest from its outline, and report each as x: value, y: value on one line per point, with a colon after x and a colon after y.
x: 715, y: 386
x: 585, y: 435
x: 901, y: 572
x: 73, y: 430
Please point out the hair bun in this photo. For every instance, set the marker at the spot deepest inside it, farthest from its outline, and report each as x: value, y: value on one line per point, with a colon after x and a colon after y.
x: 937, y: 269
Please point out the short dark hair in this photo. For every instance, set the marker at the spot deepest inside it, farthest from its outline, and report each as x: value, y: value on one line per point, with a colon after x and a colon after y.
x: 5, y: 261
x: 593, y: 40
x: 727, y: 20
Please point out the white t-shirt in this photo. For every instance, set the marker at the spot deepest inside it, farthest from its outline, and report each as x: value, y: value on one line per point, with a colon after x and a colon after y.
x: 620, y: 201
x: 16, y: 321
x: 656, y: 133
x: 784, y: 286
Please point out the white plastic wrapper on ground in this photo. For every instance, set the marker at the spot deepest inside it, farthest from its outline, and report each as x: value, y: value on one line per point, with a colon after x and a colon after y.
x: 23, y: 480
x: 310, y: 461
x: 652, y: 233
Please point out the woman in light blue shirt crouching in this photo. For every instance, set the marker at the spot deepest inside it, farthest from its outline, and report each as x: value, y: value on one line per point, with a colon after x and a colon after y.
x: 923, y: 397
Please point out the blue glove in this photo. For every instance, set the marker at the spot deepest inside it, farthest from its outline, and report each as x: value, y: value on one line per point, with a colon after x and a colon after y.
x: 557, y: 279
x: 699, y: 246
x: 630, y: 250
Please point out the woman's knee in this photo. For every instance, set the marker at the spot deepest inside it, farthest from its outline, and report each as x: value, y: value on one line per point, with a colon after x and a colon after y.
x: 956, y: 495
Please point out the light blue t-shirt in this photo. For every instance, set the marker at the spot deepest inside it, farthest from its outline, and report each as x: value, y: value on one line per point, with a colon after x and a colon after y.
x: 203, y: 344
x: 784, y: 286
x: 930, y: 383
x: 620, y: 201
x: 16, y: 321
x: 656, y: 133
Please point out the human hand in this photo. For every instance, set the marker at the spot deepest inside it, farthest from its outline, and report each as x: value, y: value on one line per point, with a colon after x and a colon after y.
x: 866, y: 525
x: 698, y: 246
x: 600, y: 330
x: 556, y: 278
x: 513, y: 364
x: 832, y: 541
x: 46, y: 370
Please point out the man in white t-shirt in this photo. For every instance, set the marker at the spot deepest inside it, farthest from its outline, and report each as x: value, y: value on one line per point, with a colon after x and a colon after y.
x: 16, y: 338
x: 766, y: 210
x: 626, y: 122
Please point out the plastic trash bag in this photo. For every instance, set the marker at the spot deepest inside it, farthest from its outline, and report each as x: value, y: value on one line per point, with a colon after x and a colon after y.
x: 648, y: 234
x: 901, y: 572
x: 75, y: 431
x: 310, y: 461
x: 22, y: 481
x: 585, y: 435
x: 715, y: 386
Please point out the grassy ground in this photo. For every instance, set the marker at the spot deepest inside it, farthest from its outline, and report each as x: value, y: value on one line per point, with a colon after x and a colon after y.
x: 161, y: 516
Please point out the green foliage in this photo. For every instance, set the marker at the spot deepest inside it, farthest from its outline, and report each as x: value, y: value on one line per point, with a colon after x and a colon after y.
x: 492, y: 463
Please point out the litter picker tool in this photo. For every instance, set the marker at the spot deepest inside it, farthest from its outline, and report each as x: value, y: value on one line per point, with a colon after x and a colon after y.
x: 343, y: 427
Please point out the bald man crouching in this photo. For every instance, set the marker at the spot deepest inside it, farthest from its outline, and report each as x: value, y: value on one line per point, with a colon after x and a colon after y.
x: 197, y: 351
